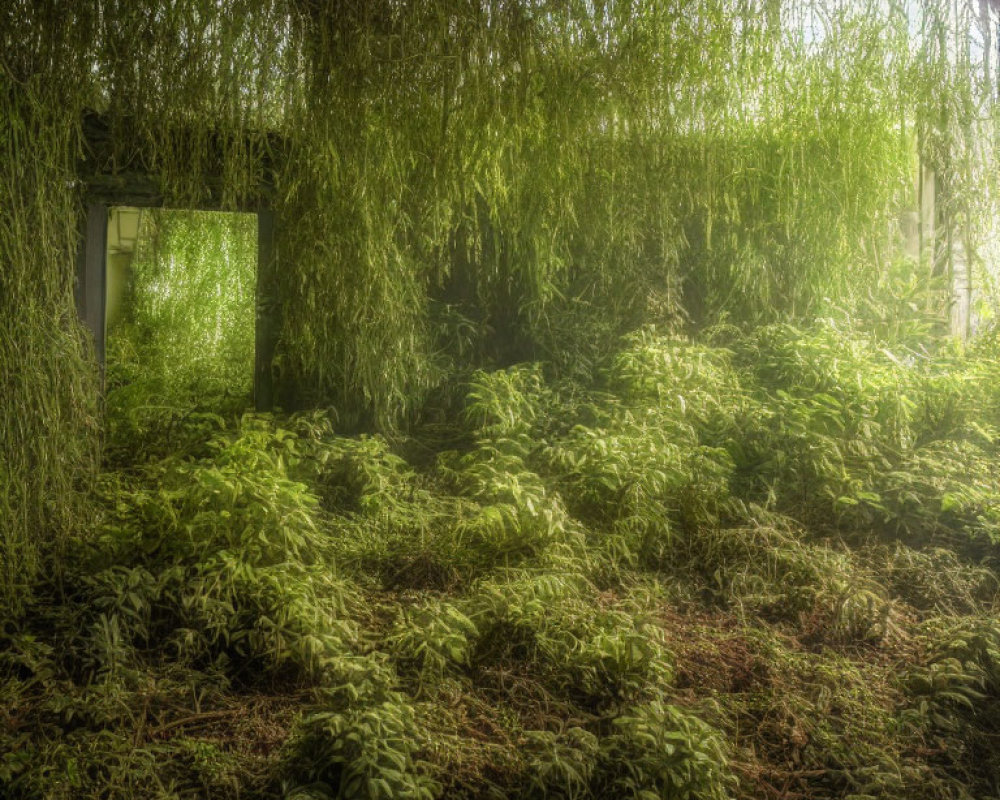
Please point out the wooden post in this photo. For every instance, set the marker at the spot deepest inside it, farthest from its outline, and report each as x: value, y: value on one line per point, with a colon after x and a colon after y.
x: 91, y: 291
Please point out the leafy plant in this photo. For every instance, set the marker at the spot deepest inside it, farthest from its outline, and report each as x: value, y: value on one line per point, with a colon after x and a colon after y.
x: 658, y: 750
x: 366, y: 753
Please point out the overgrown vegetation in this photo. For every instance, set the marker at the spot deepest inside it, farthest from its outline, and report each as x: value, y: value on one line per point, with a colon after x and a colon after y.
x: 623, y: 454
x: 735, y: 567
x: 183, y: 343
x: 460, y: 185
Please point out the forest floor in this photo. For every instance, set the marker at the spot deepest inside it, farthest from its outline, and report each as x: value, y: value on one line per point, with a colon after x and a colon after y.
x: 755, y: 566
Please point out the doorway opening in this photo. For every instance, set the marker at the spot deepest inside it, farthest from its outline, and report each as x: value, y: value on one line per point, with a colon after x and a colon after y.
x: 180, y: 289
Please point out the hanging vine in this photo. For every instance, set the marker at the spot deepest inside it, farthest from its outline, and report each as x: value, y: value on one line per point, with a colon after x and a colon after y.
x: 460, y: 183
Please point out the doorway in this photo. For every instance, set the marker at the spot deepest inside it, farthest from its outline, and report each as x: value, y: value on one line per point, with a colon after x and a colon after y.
x: 174, y: 308
x: 180, y: 290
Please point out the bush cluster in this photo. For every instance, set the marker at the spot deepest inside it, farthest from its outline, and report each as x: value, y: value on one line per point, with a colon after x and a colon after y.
x: 717, y: 566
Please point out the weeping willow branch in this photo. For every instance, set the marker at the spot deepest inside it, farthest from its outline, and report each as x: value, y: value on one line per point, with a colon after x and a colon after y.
x: 523, y: 173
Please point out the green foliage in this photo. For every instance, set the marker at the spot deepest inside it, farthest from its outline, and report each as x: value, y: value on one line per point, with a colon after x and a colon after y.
x: 955, y: 692
x: 188, y: 314
x: 628, y: 572
x: 48, y: 412
x: 218, y: 559
x: 662, y: 751
x: 182, y: 347
x: 650, y: 464
x: 435, y: 637
x: 549, y: 621
x: 562, y: 765
x: 693, y: 576
x: 551, y: 178
x: 937, y: 579
x: 367, y: 753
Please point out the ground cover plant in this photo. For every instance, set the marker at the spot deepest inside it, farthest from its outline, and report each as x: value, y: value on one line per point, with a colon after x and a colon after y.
x: 755, y: 564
